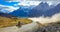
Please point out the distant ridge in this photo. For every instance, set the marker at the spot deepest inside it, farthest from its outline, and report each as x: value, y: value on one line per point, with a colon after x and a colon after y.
x: 21, y: 12
x: 40, y: 10
x: 6, y: 15
x: 52, y: 11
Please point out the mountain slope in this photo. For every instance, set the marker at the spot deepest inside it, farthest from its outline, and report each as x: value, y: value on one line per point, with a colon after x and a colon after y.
x: 22, y: 11
x: 6, y: 15
x: 52, y: 11
x: 39, y: 10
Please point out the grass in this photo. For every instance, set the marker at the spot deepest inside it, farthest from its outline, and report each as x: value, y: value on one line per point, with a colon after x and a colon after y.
x: 7, y: 22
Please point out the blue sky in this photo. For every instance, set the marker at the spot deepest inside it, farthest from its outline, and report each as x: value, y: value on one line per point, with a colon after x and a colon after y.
x: 7, y: 7
x: 12, y: 2
x: 32, y: 2
x: 11, y: 5
x: 7, y: 3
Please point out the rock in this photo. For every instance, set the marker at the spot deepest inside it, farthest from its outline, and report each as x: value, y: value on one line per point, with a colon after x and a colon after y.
x: 52, y: 27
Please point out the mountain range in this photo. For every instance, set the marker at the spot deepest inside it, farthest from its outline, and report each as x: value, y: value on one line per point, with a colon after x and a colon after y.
x: 32, y: 12
x: 22, y: 11
x: 52, y: 11
x: 36, y: 11
x: 6, y: 15
x: 40, y: 10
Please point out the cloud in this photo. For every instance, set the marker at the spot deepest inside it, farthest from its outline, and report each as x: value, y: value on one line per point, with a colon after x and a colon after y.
x: 31, y: 0
x: 43, y: 19
x: 42, y: 0
x: 24, y: 2
x: 34, y: 2
x: 14, y: 0
x: 29, y: 3
x: 7, y: 9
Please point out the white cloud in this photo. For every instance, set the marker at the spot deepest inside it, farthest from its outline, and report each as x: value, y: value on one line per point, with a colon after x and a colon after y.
x: 9, y: 1
x: 25, y: 3
x: 35, y: 2
x: 14, y: 0
x: 7, y: 9
x: 44, y: 20
x: 29, y: 3
x: 31, y: 0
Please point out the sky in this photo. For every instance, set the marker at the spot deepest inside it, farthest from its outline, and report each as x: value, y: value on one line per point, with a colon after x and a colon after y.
x: 11, y: 5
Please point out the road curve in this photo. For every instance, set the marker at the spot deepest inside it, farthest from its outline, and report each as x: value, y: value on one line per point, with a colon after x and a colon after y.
x: 25, y: 28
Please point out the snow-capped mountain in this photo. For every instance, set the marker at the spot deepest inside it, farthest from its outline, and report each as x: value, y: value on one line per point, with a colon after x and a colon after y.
x: 40, y: 9
x: 53, y: 11
x: 22, y: 11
